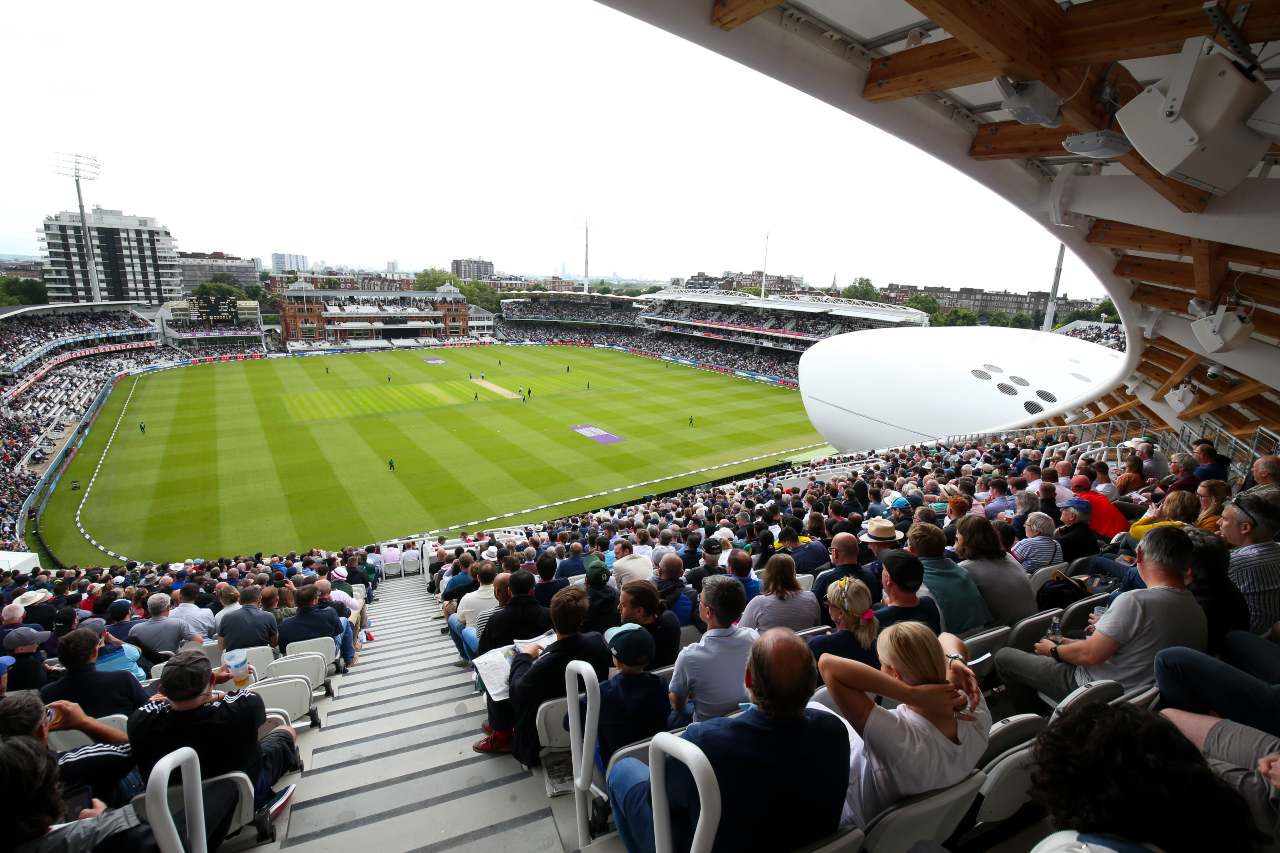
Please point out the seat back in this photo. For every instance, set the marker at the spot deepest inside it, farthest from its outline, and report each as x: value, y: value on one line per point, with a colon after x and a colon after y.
x: 396, y: 566
x: 805, y: 581
x: 310, y: 665
x: 663, y: 745
x: 1040, y: 577
x: 289, y: 693
x: 1009, y: 733
x: 1094, y: 693
x: 816, y: 631
x: 550, y: 723
x: 1006, y: 787
x: 260, y: 657
x: 582, y: 740
x: 845, y: 841
x: 411, y: 566
x: 1025, y: 634
x: 689, y: 634
x: 1143, y: 697
x: 665, y: 673
x: 986, y: 643
x: 63, y: 741
x: 932, y: 816
x: 160, y: 816
x: 1076, y: 616
x: 323, y: 646
x: 823, y: 697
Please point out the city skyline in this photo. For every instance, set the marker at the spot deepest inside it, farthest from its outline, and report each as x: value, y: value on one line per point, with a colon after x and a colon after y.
x: 365, y: 175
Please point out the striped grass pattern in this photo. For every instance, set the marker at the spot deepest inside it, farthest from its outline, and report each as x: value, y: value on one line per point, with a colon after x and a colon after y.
x: 291, y: 453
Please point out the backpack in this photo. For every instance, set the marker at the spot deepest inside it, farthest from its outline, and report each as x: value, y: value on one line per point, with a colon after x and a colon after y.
x: 1060, y: 591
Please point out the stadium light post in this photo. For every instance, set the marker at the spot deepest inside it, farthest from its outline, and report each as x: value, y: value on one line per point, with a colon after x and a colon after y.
x: 83, y: 167
x: 1052, y: 307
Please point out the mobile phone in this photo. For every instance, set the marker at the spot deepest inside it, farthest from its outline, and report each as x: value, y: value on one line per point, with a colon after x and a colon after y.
x: 77, y: 800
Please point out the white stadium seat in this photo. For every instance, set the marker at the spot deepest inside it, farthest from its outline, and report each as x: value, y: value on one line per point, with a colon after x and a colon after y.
x: 1099, y: 692
x: 1033, y: 628
x: 926, y: 817
x: 289, y: 693
x: 323, y: 646
x: 310, y: 665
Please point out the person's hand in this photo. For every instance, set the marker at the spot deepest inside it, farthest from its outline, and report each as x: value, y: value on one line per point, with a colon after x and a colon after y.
x: 1043, y: 647
x: 96, y: 807
x: 1269, y: 766
x: 68, y: 715
x: 940, y: 699
x: 222, y: 674
x: 533, y: 651
x: 963, y: 679
x: 1093, y: 623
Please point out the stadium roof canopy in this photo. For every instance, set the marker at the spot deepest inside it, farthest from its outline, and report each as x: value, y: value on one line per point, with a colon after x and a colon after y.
x: 808, y: 303
x: 925, y: 71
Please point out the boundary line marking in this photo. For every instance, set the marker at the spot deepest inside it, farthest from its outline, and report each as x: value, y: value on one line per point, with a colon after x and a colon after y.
x: 88, y: 489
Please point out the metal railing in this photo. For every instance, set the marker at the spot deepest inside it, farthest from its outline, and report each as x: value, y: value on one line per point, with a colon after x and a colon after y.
x: 1108, y: 432
x: 1241, y: 452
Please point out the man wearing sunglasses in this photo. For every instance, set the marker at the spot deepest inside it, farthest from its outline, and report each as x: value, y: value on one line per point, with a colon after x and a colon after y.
x: 1249, y: 524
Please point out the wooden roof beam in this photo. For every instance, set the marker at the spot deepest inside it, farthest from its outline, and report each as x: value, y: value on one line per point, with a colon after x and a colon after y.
x: 1092, y: 33
x: 1217, y: 401
x: 1188, y: 364
x: 731, y: 14
x: 1209, y: 269
x: 1179, y: 275
x: 1121, y: 235
x: 1011, y: 140
x: 1115, y: 410
x: 1016, y: 37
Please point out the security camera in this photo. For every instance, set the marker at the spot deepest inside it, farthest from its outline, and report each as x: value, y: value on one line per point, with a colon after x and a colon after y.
x: 1214, y: 371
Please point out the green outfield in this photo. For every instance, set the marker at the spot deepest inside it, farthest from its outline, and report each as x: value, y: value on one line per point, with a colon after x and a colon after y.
x: 282, y: 454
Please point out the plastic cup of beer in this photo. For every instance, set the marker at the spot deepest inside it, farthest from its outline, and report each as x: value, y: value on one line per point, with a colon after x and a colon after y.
x: 238, y: 662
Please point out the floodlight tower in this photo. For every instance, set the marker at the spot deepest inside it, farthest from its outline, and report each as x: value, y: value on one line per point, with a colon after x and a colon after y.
x: 83, y: 167
x: 1052, y: 307
x: 586, y: 257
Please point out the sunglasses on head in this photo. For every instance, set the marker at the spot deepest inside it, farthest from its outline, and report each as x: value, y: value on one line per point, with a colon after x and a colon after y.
x: 1240, y: 506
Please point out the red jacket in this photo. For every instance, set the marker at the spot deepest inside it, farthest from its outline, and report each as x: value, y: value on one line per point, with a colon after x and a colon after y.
x: 1105, y: 520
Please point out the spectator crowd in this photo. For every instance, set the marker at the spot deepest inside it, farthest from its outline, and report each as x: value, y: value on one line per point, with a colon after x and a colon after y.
x: 1107, y: 334
x: 21, y: 336
x: 694, y: 606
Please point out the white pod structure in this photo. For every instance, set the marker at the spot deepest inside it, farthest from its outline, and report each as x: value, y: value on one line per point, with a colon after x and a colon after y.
x: 883, y: 388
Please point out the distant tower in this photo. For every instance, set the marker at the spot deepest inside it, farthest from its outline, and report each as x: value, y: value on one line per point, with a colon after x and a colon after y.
x: 835, y: 288
x: 586, y: 257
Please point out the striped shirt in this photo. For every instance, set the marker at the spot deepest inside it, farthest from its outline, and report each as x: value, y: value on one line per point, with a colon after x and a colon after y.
x: 483, y: 619
x: 1255, y: 570
x: 1037, y: 552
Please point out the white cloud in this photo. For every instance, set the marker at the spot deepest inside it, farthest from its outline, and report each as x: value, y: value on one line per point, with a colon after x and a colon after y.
x: 423, y: 132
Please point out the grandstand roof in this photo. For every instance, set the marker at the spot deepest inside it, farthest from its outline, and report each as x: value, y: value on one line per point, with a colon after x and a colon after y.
x: 7, y: 311
x: 811, y: 303
x: 924, y: 71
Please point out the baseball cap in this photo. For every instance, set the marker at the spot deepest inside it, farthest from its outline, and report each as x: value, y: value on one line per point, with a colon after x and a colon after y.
x: 185, y: 675
x: 5, y: 663
x: 97, y: 625
x: 340, y: 573
x: 714, y: 545
x: 1078, y: 504
x: 118, y: 609
x: 1080, y: 483
x: 65, y: 617
x: 914, y: 499
x: 25, y: 636
x: 597, y: 571
x: 904, y: 568
x: 900, y: 503
x: 630, y: 644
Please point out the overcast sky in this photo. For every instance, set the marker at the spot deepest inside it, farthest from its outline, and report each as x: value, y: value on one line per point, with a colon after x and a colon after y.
x: 361, y: 133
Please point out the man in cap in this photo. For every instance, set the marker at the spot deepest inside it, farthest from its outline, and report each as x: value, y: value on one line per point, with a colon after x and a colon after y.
x: 710, y: 564
x: 634, y: 703
x: 602, y: 600
x: 902, y: 575
x: 120, y: 618
x: 1075, y: 536
x: 29, y: 670
x: 99, y: 692
x: 901, y: 514
x: 221, y: 727
x: 5, y: 662
x: 1104, y: 518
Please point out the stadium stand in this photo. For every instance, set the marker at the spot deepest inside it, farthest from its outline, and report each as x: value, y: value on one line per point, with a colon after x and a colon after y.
x: 1107, y: 334
x: 409, y: 712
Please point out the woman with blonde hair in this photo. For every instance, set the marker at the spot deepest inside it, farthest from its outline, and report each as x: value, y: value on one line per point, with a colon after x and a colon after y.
x: 1177, y: 509
x: 781, y: 602
x: 931, y: 740
x: 1212, y: 495
x: 854, y: 637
